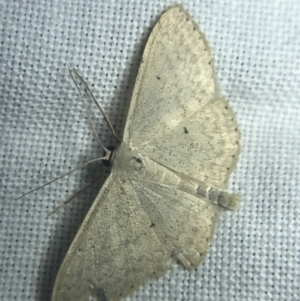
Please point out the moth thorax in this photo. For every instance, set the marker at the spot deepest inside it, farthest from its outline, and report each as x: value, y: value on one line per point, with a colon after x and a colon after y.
x: 129, y: 159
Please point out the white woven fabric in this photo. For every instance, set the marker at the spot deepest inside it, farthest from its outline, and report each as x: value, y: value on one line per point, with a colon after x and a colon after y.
x: 44, y: 131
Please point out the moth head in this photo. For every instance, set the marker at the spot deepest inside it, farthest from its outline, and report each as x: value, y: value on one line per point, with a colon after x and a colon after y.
x: 108, y: 162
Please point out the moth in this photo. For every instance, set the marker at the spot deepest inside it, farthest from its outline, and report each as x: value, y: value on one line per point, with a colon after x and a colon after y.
x: 166, y: 186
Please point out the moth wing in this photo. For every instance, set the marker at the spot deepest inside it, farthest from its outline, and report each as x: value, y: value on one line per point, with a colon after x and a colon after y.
x: 176, y: 116
x: 205, y: 146
x: 115, y: 249
x: 183, y: 222
x: 129, y: 236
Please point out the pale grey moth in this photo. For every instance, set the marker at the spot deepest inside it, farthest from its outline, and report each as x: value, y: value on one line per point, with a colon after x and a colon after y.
x: 162, y: 197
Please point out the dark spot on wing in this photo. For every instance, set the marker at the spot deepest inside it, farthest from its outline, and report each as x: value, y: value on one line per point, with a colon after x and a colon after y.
x: 97, y: 293
x: 152, y: 225
x: 158, y: 77
x: 185, y: 130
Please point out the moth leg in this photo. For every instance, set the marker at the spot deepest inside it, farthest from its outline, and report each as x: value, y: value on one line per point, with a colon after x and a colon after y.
x: 218, y: 196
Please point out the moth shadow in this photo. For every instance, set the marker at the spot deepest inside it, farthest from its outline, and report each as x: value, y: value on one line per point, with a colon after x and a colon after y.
x: 65, y: 232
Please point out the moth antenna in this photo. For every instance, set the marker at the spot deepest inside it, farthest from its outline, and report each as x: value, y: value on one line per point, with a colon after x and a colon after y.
x: 87, y: 110
x: 71, y: 198
x: 107, y: 156
x: 96, y: 102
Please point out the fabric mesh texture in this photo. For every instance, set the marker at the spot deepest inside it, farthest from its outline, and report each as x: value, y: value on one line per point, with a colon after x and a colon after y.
x: 45, y: 131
